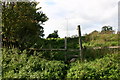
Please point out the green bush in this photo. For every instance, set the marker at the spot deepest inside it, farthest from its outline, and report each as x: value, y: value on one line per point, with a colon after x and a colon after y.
x: 106, y: 68
x: 17, y: 64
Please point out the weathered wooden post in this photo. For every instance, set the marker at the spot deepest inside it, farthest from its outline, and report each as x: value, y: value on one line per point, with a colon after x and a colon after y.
x: 65, y: 42
x: 80, y: 43
x: 66, y: 48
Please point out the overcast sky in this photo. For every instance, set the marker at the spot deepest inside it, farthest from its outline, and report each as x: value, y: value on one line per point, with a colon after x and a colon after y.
x: 90, y: 14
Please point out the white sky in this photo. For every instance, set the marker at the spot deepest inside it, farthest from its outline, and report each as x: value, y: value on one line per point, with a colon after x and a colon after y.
x: 90, y: 14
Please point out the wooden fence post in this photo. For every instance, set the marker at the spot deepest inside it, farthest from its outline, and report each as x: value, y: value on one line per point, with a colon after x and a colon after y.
x: 66, y: 48
x: 65, y: 42
x: 80, y: 43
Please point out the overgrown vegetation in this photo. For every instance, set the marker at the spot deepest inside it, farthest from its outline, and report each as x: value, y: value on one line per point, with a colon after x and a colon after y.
x: 21, y: 64
x: 17, y: 64
x: 22, y: 30
x: 106, y: 68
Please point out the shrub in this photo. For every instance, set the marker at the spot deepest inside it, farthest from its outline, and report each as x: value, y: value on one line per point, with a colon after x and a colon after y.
x: 106, y: 68
x: 17, y: 64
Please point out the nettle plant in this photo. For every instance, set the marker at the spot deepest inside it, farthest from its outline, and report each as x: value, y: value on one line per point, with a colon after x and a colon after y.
x: 105, y: 68
x: 17, y: 64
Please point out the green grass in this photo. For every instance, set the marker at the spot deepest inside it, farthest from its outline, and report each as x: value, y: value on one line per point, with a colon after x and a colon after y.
x: 93, y: 40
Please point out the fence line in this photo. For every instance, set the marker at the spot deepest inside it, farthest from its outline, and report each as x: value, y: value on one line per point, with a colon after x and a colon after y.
x: 80, y: 50
x: 110, y: 47
x: 54, y: 49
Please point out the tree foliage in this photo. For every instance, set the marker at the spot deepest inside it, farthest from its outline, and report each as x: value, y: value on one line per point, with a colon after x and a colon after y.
x: 107, y: 29
x: 54, y: 34
x: 22, y: 23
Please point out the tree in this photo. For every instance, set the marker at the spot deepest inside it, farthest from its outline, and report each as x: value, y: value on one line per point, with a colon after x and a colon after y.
x: 54, y: 34
x: 22, y: 23
x: 107, y: 29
